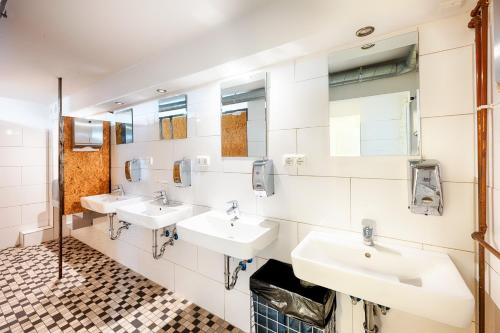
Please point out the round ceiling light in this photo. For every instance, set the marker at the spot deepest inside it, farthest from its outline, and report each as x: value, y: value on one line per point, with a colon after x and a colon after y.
x: 161, y: 91
x: 119, y: 103
x: 365, y: 31
x: 367, y: 46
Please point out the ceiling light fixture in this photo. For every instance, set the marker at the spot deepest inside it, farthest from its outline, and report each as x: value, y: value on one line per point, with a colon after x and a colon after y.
x: 119, y: 103
x: 365, y: 31
x: 3, y: 10
x: 161, y: 91
x: 367, y: 46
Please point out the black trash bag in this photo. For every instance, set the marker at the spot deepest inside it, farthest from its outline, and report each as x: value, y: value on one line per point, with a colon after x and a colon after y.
x: 276, y: 283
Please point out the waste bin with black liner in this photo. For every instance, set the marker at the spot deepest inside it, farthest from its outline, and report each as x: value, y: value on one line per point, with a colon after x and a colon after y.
x: 282, y: 303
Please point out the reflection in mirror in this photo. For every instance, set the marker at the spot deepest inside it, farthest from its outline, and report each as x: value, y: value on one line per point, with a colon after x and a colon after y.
x: 172, y: 115
x: 373, y: 93
x: 124, y: 126
x: 243, y: 117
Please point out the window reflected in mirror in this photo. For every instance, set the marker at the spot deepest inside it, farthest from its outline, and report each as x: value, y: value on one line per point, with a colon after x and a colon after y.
x: 243, y: 117
x: 172, y: 116
x: 373, y: 93
x: 124, y: 126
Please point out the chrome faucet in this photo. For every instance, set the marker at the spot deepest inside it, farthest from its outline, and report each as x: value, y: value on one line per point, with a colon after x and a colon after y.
x: 161, y: 196
x: 233, y: 210
x: 118, y: 189
x: 368, y: 232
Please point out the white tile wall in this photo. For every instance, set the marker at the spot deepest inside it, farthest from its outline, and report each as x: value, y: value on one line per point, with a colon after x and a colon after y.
x: 324, y: 193
x: 23, y: 180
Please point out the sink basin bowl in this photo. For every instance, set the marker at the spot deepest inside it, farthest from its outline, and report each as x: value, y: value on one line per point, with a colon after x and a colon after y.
x: 419, y: 282
x: 153, y: 214
x: 107, y: 203
x: 242, y: 239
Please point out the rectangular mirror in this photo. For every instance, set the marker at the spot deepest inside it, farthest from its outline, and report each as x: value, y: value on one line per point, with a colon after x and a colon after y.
x: 172, y: 116
x: 124, y: 126
x: 243, y: 117
x: 373, y: 93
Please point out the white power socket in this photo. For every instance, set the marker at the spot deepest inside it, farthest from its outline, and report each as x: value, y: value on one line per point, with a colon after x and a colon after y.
x: 290, y: 160
x: 203, y: 161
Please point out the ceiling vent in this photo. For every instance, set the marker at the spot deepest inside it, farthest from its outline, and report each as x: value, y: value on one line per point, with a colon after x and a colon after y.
x: 3, y: 9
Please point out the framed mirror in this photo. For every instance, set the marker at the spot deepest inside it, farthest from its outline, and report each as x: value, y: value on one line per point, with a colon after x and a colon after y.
x: 124, y: 126
x: 243, y: 117
x: 172, y: 116
x: 374, y: 97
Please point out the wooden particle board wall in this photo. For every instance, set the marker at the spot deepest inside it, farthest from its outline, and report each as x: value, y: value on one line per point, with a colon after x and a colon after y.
x: 85, y: 173
x: 234, y: 134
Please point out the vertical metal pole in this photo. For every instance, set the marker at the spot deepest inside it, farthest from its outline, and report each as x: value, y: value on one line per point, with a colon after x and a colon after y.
x: 61, y: 177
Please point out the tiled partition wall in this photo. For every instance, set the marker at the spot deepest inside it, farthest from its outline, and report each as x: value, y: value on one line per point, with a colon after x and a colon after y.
x: 325, y: 193
x: 23, y: 169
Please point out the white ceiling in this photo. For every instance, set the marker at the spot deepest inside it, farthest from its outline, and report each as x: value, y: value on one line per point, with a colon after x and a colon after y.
x: 107, y: 49
x: 83, y: 41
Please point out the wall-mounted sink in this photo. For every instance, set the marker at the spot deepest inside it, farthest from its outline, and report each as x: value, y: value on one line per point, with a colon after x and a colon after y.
x: 107, y: 203
x: 420, y: 282
x: 154, y: 214
x: 215, y: 230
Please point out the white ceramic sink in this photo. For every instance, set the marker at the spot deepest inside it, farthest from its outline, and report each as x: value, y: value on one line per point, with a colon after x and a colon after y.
x: 107, y: 203
x: 242, y: 239
x: 420, y: 282
x: 153, y: 214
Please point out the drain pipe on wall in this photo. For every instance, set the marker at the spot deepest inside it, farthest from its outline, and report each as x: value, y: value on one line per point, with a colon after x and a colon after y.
x: 172, y: 237
x: 232, y: 279
x: 60, y: 177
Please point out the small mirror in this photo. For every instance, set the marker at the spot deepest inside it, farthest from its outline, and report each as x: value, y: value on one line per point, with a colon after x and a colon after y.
x: 172, y: 115
x: 243, y: 117
x: 374, y: 98
x: 124, y: 126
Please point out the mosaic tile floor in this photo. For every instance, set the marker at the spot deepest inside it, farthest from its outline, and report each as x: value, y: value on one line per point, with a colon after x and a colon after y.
x: 96, y: 295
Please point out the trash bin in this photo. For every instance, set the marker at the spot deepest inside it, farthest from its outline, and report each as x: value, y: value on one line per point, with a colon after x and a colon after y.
x: 282, y: 303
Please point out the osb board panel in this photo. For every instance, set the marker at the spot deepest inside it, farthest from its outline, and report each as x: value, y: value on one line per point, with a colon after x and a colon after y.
x: 179, y: 125
x: 85, y: 173
x: 234, y: 134
x: 166, y: 129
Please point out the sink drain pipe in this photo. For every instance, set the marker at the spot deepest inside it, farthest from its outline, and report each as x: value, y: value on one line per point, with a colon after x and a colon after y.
x: 231, y: 279
x: 172, y: 236
x: 369, y: 324
x: 111, y: 229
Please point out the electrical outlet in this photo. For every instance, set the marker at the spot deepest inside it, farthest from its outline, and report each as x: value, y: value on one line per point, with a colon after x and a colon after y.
x: 289, y: 160
x: 300, y: 159
x: 203, y: 161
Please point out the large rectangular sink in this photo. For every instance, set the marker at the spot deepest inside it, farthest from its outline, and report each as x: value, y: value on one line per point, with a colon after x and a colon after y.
x: 107, y: 203
x: 242, y: 239
x: 154, y: 214
x: 419, y: 282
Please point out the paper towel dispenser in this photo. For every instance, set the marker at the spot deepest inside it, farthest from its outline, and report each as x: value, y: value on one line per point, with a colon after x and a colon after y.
x: 425, y: 193
x: 133, y: 170
x: 87, y: 133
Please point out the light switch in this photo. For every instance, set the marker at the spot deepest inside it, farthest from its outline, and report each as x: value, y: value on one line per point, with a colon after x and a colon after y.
x: 203, y: 160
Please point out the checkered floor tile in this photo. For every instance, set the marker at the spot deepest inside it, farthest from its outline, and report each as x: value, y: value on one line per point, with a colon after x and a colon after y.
x: 96, y: 295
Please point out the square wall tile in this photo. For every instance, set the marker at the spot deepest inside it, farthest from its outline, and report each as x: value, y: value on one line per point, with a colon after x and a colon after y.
x: 282, y: 247
x: 10, y: 216
x: 10, y: 176
x: 280, y: 143
x: 11, y: 135
x: 445, y: 34
x: 236, y: 306
x: 311, y: 67
x: 450, y: 140
x: 36, y: 214
x: 35, y: 137
x: 447, y: 83
x: 315, y: 200
x: 34, y: 175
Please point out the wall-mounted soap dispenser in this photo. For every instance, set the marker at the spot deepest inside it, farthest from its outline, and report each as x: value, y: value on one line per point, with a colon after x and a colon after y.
x: 263, y: 178
x: 133, y: 170
x: 425, y: 193
x: 182, y: 173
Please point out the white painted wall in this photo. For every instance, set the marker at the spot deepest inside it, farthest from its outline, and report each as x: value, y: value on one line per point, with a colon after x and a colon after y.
x: 24, y: 168
x: 326, y: 193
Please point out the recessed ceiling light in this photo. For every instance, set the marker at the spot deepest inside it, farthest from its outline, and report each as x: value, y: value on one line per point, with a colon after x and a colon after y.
x: 365, y: 31
x: 367, y: 46
x: 161, y: 91
x: 119, y: 103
